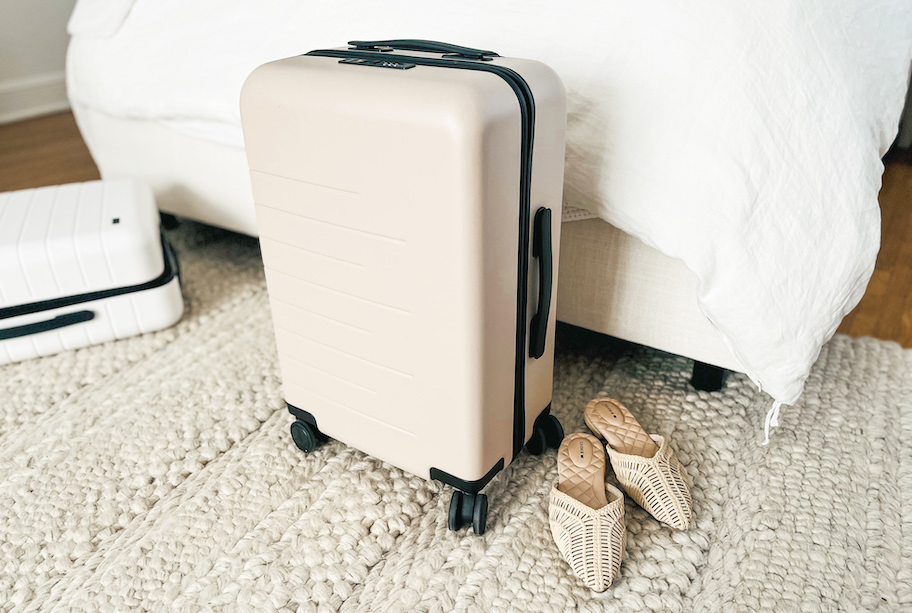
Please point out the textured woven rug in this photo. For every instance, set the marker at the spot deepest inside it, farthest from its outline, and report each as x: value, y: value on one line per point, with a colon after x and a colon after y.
x: 158, y: 473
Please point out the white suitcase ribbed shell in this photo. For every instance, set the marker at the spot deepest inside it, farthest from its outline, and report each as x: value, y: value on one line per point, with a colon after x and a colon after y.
x: 388, y: 204
x: 72, y: 240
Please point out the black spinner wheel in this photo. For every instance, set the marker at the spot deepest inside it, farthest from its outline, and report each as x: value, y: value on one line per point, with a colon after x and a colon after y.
x: 480, y: 514
x: 454, y: 517
x: 538, y: 442
x: 305, y: 436
x: 554, y: 432
x: 546, y: 434
x: 468, y: 509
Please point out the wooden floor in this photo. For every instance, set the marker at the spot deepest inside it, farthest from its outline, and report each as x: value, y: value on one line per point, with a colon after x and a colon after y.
x: 885, y: 312
x: 49, y: 151
x: 43, y: 151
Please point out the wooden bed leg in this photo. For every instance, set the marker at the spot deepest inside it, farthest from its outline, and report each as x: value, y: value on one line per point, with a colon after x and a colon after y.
x: 707, y: 378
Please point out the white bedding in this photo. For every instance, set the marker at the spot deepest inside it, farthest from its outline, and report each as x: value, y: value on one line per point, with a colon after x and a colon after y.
x: 744, y: 138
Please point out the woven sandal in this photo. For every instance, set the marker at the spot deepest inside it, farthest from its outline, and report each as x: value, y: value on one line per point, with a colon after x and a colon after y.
x: 645, y: 464
x: 586, y: 514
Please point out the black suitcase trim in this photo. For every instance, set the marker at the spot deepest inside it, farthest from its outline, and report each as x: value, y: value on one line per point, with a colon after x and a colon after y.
x: 302, y: 414
x: 469, y: 487
x: 171, y: 270
x: 527, y: 115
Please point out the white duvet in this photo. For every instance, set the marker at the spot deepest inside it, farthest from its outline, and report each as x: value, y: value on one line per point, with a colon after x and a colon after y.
x: 742, y: 137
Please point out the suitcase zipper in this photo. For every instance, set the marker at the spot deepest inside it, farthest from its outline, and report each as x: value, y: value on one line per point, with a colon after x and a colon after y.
x: 527, y: 114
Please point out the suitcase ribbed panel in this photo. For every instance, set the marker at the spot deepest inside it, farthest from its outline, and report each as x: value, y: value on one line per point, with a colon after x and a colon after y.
x: 61, y: 240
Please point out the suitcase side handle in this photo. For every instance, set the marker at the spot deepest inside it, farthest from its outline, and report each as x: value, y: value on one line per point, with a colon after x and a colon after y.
x: 61, y: 321
x: 541, y: 249
x: 427, y: 46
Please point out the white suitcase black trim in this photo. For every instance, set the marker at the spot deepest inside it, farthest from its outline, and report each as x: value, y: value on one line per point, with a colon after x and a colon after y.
x: 88, y: 300
x: 82, y: 252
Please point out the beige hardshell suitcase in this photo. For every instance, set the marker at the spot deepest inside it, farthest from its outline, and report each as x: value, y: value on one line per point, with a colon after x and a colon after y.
x: 408, y: 198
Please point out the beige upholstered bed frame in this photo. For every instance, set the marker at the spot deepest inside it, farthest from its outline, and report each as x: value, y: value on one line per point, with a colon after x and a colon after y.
x: 613, y: 283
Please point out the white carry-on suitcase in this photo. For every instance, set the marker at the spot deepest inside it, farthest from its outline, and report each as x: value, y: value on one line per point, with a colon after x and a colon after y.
x: 408, y: 198
x: 82, y: 264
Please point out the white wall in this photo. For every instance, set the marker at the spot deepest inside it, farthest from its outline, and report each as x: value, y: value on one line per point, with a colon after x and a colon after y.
x: 33, y: 42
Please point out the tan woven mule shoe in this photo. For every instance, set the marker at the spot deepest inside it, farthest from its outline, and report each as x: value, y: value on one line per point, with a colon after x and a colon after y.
x: 644, y: 464
x: 586, y: 514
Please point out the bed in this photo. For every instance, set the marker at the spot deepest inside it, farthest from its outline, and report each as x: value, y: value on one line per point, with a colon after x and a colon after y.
x: 722, y: 168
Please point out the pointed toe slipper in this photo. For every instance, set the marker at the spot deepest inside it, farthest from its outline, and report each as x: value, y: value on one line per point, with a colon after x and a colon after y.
x: 585, y: 514
x: 645, y: 464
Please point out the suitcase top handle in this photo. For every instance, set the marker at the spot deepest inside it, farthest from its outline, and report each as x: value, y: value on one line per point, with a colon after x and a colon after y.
x: 427, y: 46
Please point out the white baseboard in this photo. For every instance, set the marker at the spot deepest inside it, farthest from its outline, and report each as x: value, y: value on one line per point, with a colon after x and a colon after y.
x: 32, y: 96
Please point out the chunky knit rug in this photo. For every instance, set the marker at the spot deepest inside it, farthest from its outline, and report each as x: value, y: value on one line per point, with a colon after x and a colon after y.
x: 158, y: 473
